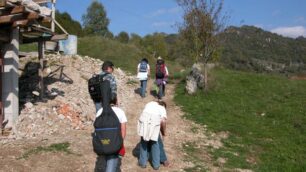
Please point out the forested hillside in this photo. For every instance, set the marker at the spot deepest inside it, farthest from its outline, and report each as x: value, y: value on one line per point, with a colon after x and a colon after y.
x: 252, y: 48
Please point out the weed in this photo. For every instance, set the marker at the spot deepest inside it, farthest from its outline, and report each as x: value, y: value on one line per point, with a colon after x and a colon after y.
x: 58, y: 147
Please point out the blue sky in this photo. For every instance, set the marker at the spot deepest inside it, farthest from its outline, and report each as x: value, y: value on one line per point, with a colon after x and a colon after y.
x: 286, y: 17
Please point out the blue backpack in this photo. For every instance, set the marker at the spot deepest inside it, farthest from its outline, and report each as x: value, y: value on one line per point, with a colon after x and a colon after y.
x: 143, y: 66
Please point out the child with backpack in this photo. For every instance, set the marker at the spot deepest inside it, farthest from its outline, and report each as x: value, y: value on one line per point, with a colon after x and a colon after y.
x: 95, y: 82
x: 143, y: 73
x: 152, y: 123
x: 161, y: 75
x: 110, y: 131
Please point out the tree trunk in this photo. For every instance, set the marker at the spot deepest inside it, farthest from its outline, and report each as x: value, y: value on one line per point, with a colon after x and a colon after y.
x: 205, y: 77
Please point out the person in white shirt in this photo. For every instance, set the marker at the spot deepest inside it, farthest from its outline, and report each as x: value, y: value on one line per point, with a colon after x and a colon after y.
x: 151, y: 124
x: 143, y: 73
x: 111, y: 163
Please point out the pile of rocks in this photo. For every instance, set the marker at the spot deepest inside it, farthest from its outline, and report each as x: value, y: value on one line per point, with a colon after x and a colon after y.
x: 67, y: 104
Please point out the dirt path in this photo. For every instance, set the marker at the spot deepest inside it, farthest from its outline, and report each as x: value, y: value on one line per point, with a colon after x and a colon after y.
x: 82, y: 158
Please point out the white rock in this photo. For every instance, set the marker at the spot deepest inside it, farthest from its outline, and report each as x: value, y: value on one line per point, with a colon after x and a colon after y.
x: 36, y: 93
x: 29, y: 105
x: 61, y: 116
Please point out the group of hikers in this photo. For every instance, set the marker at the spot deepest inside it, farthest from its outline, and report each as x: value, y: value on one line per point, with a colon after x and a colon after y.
x: 110, y: 123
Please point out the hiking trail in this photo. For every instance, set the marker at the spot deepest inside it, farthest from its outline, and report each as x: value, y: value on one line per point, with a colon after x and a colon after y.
x: 63, y: 122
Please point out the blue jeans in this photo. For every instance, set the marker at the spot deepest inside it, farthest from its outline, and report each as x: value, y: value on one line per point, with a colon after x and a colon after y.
x: 98, y: 106
x: 109, y: 163
x: 155, y: 153
x: 163, y: 156
x: 143, y: 87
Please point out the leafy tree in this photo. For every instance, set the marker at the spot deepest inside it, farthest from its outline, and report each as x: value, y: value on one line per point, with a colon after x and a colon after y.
x: 203, y: 20
x: 156, y: 45
x: 95, y: 21
x: 70, y: 25
x: 123, y: 37
x: 136, y: 40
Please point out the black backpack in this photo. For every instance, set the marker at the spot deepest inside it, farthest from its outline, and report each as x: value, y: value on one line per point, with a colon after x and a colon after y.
x: 94, y: 85
x: 143, y: 66
x: 107, y: 138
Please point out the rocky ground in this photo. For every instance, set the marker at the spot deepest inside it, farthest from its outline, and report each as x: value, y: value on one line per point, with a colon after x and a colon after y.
x: 66, y: 114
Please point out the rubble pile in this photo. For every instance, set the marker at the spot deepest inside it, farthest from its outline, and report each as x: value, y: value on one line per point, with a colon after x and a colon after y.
x: 66, y: 105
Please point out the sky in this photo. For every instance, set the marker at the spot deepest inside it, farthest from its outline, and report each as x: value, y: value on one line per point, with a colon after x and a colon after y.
x: 285, y: 17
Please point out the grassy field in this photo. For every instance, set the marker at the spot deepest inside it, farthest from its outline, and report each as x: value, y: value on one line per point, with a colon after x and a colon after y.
x: 125, y: 56
x: 265, y: 116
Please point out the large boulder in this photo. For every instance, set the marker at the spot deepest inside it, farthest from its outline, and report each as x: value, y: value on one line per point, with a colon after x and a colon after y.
x: 195, y: 80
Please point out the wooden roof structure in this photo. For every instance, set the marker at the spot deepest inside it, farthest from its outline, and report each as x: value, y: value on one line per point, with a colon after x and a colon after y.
x: 31, y: 22
x: 22, y: 21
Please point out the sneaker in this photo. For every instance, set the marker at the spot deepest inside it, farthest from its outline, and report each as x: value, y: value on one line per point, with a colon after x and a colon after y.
x: 156, y: 168
x: 142, y: 166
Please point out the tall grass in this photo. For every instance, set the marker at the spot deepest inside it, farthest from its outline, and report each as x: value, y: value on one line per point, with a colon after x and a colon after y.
x: 265, y: 115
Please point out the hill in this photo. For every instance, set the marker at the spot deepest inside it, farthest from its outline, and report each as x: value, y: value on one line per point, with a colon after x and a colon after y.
x: 251, y: 48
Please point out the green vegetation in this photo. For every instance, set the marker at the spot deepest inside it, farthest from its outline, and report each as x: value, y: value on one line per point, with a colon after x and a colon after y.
x: 124, y: 56
x: 73, y: 27
x: 95, y: 21
x: 251, y: 48
x: 58, y: 147
x: 194, y: 155
x: 265, y: 115
x: 29, y: 47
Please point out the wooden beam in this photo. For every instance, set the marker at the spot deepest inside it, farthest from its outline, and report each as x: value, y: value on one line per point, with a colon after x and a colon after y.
x: 21, y: 23
x: 10, y: 18
x: 41, y: 1
x: 59, y: 37
x: 2, y: 3
x: 33, y: 16
x: 18, y: 9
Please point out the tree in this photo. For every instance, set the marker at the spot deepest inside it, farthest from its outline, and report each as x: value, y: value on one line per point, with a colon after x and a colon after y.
x: 203, y: 20
x: 95, y: 22
x: 71, y: 26
x: 136, y: 39
x: 123, y: 37
x: 156, y: 45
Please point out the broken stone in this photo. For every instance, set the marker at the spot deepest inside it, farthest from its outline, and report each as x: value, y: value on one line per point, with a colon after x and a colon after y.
x: 36, y: 93
x: 29, y: 105
x: 61, y: 116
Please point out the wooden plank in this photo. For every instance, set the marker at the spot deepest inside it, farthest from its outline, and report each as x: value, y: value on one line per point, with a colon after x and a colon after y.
x: 41, y: 1
x: 18, y: 9
x: 59, y: 37
x: 21, y: 23
x: 33, y: 16
x: 11, y: 18
x: 2, y: 3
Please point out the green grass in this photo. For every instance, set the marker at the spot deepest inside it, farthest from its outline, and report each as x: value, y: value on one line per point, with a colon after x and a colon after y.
x: 29, y: 47
x: 194, y: 155
x: 265, y: 115
x: 125, y: 56
x: 58, y: 147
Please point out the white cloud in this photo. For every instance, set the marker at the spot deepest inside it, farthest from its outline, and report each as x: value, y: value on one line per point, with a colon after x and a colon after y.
x: 162, y: 24
x: 292, y: 32
x: 163, y: 11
